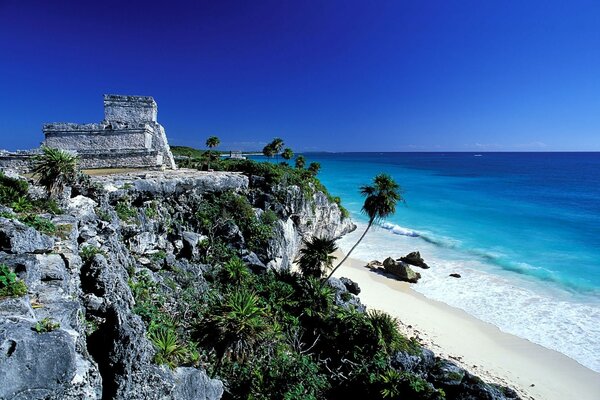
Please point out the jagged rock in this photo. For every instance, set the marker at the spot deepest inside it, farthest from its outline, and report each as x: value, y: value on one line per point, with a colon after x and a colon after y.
x: 446, y: 373
x: 350, y: 285
x: 400, y: 270
x: 254, y: 263
x: 455, y: 275
x: 415, y: 259
x: 16, y: 307
x: 193, y: 384
x: 374, y: 264
x: 419, y: 364
x: 18, y: 238
x: 83, y: 208
x: 302, y: 217
x: 232, y: 234
x: 143, y: 242
x: 190, y: 244
x: 343, y: 297
x: 35, y: 365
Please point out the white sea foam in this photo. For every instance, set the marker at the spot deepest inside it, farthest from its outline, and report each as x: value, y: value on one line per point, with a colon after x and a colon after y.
x: 518, y: 305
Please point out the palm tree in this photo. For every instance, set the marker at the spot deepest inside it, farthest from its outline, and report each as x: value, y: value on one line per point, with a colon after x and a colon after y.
x: 380, y: 202
x: 287, y: 154
x: 315, y: 257
x: 211, y: 142
x: 268, y: 151
x: 300, y: 162
x: 273, y: 148
x: 54, y: 169
x: 314, y: 168
x: 277, y: 145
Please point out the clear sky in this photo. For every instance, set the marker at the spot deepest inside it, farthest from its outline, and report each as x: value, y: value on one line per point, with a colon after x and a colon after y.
x: 323, y: 75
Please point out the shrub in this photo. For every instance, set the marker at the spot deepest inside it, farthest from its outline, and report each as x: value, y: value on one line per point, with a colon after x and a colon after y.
x: 169, y: 350
x: 87, y: 253
x: 46, y: 325
x: 41, y: 224
x: 54, y: 169
x: 10, y: 285
x: 234, y: 325
x: 11, y: 189
x: 125, y: 211
x: 234, y: 271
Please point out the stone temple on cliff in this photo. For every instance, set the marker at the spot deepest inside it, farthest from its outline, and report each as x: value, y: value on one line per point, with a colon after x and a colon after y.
x: 128, y: 137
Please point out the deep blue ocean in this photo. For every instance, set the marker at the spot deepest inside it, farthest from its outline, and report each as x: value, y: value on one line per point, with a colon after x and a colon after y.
x: 523, y: 230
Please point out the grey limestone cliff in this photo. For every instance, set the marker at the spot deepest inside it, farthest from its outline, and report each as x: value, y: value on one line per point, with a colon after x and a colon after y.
x: 100, y: 349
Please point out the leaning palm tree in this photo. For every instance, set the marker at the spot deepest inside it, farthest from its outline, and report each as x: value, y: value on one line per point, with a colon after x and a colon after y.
x: 380, y: 202
x: 54, y: 168
x: 315, y: 257
x: 211, y: 142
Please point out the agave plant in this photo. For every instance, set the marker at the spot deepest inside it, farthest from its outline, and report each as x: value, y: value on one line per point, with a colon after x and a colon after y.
x: 235, y: 271
x: 168, y: 349
x: 237, y: 325
x: 54, y: 168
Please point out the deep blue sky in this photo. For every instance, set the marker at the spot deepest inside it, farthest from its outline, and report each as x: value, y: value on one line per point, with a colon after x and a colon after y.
x: 324, y: 75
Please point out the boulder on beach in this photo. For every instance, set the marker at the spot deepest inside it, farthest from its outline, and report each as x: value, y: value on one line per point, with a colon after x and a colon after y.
x: 415, y: 259
x: 401, y: 270
x: 374, y: 264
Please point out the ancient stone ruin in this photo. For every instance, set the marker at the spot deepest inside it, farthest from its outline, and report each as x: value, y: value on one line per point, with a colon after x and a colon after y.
x: 128, y: 137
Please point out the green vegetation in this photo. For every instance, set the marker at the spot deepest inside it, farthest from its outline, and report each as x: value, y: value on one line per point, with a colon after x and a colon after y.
x: 380, y: 202
x: 54, y: 169
x: 87, y: 253
x: 10, y: 285
x: 287, y: 154
x: 273, y: 148
x: 14, y: 193
x: 218, y: 211
x: 38, y: 223
x: 300, y: 162
x: 125, y: 211
x: 46, y: 325
x: 211, y: 143
x: 314, y: 168
x: 315, y: 256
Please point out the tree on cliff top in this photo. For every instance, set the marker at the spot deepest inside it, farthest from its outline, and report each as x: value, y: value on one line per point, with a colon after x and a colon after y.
x: 300, y: 162
x: 273, y: 148
x: 211, y: 142
x: 287, y: 154
x: 380, y: 202
x: 54, y: 168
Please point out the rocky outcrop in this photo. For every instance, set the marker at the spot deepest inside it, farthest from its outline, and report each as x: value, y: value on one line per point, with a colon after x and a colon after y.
x: 304, y: 216
x: 456, y: 382
x: 415, y: 259
x: 400, y: 270
x: 18, y: 238
x: 138, y: 221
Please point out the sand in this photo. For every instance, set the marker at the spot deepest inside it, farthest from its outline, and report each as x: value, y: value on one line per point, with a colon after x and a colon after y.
x: 535, y: 372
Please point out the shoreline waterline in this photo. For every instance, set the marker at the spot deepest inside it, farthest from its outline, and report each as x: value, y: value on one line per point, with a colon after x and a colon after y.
x: 514, y: 303
x: 477, y: 346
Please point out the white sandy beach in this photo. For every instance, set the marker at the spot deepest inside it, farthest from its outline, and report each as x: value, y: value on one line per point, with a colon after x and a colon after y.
x: 534, y: 371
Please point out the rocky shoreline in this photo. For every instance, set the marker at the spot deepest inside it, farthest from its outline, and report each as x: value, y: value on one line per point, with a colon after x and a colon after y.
x: 79, y: 333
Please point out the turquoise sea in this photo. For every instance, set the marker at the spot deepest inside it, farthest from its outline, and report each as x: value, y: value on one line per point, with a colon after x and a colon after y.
x: 523, y: 230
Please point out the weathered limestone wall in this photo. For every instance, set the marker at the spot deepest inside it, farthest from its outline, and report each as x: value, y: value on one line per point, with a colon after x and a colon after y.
x: 19, y: 161
x: 97, y: 137
x: 130, y: 108
x: 129, y: 136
